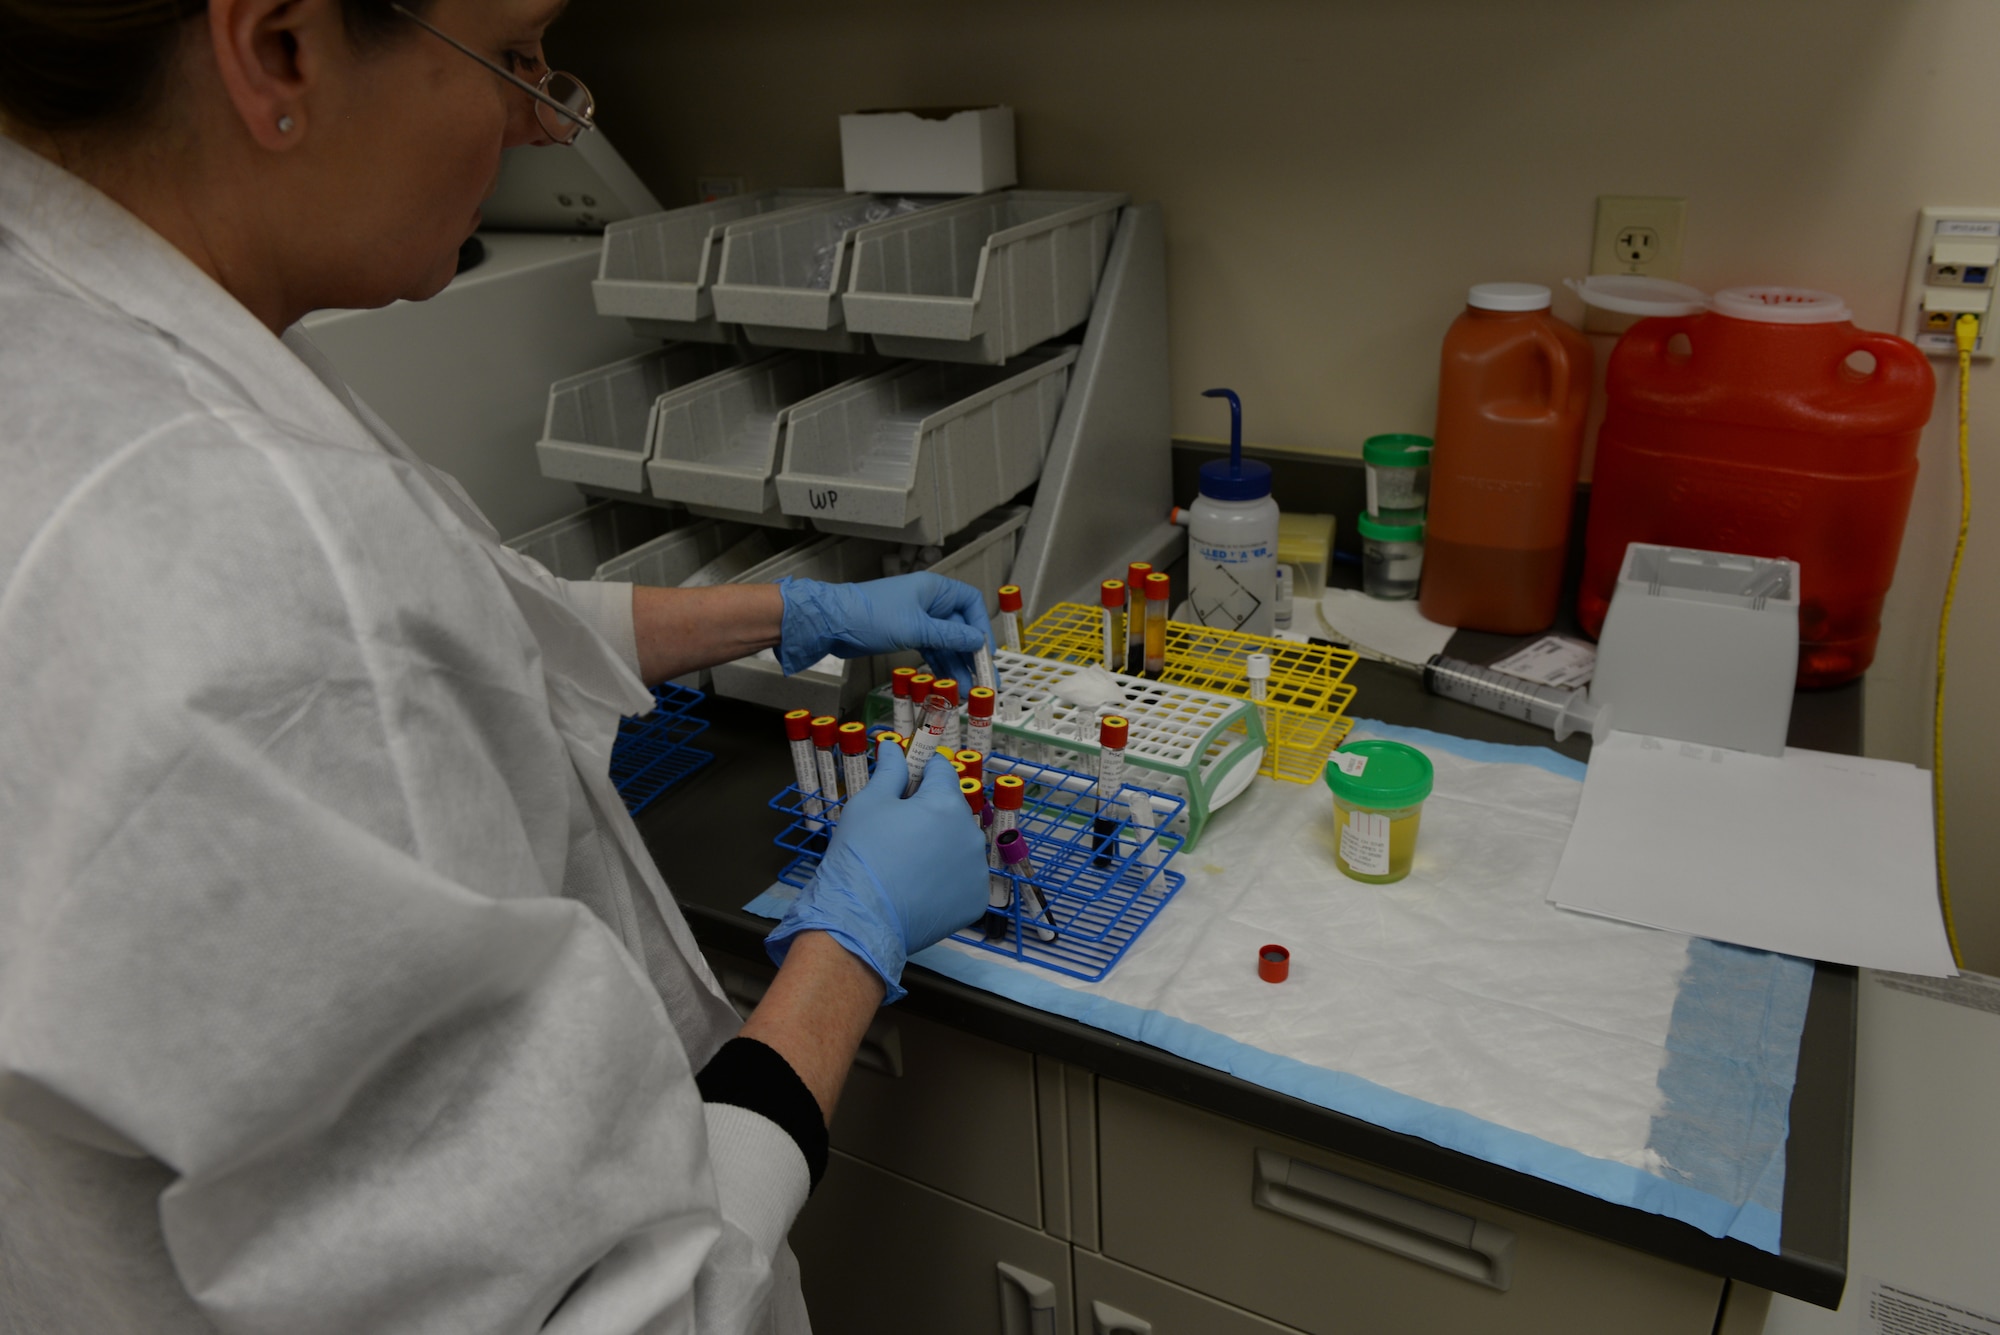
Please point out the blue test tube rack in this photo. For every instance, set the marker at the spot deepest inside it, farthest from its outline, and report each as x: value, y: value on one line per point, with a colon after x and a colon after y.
x: 652, y: 753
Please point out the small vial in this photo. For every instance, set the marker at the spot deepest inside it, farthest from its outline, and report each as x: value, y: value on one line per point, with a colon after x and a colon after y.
x: 905, y: 719
x: 1281, y: 610
x: 805, y: 773
x: 1035, y: 912
x: 1158, y: 587
x: 1009, y: 624
x: 824, y: 730
x: 1257, y: 668
x: 1135, y: 616
x: 925, y: 741
x: 948, y: 687
x: 974, y: 762
x: 975, y: 794
x: 983, y: 673
x: 1111, y: 597
x: 920, y: 691
x: 1112, y: 734
x: 889, y: 735
x: 979, y: 721
x: 854, y: 758
x: 1008, y: 793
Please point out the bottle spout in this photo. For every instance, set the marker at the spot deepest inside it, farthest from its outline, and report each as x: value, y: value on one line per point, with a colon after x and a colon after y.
x: 1235, y: 427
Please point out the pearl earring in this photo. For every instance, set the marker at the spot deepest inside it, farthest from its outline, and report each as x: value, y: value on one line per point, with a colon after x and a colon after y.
x: 284, y: 125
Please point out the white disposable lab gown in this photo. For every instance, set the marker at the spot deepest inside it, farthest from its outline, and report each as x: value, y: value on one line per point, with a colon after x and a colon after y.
x: 337, y: 991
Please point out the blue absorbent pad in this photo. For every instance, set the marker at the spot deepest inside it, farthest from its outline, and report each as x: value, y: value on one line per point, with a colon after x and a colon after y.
x: 1681, y: 1107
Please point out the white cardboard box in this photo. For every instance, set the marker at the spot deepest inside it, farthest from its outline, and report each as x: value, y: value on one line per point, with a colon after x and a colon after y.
x: 928, y: 151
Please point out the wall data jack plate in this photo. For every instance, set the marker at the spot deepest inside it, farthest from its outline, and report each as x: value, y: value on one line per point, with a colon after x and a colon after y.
x: 1954, y: 261
x: 1636, y: 234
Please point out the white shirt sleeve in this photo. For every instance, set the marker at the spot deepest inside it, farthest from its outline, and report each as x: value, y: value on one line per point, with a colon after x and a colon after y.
x: 608, y: 609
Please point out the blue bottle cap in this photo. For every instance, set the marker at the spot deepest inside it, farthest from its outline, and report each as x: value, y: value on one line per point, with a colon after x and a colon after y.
x: 1234, y: 478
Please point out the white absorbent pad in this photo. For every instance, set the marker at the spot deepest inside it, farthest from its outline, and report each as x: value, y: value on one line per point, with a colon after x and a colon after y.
x: 1639, y: 1066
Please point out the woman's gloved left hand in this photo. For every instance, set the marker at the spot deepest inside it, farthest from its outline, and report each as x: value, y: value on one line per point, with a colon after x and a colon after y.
x: 943, y: 619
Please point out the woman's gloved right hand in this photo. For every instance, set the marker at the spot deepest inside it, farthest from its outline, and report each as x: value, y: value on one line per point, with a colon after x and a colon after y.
x: 899, y: 873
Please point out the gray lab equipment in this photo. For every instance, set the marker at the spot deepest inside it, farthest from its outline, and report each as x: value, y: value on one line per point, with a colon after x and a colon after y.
x: 782, y: 273
x: 984, y: 278
x: 1701, y: 647
x: 598, y: 430
x: 657, y: 271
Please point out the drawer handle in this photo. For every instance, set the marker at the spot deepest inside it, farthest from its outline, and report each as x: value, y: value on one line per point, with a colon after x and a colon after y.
x: 1108, y: 1320
x: 1443, y: 1239
x: 1027, y: 1302
x: 881, y: 1047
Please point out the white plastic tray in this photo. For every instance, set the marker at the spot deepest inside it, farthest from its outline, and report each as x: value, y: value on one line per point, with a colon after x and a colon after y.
x: 599, y: 424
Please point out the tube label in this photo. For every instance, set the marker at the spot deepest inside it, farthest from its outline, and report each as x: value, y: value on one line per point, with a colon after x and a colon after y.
x: 1364, y: 842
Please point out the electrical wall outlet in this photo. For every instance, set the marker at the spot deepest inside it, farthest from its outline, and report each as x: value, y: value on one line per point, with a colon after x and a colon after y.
x: 1953, y: 263
x: 1636, y: 234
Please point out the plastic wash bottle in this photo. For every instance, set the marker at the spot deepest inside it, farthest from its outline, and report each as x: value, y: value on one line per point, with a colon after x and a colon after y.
x: 1233, y: 538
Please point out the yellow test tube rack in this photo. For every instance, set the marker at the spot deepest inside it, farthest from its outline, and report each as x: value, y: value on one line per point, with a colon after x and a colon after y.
x: 1306, y: 696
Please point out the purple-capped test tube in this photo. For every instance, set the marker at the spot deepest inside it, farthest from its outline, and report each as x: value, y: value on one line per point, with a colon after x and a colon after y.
x: 1013, y: 846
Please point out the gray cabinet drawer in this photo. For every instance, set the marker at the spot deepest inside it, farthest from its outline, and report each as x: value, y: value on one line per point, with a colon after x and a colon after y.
x: 1337, y: 1247
x: 881, y: 1255
x: 1112, y: 1299
x: 952, y: 1111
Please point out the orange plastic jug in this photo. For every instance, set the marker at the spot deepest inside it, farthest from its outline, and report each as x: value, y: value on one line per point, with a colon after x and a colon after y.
x: 1756, y: 436
x: 1513, y: 393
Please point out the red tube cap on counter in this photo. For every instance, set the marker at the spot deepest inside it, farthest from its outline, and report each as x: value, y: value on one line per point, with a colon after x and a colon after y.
x: 1010, y: 597
x: 854, y: 739
x: 798, y: 725
x: 1112, y: 731
x: 980, y: 702
x: 1008, y: 791
x: 1274, y: 963
x: 823, y: 729
x: 1112, y: 593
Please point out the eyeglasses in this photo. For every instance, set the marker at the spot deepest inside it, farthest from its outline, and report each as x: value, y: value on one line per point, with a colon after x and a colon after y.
x: 563, y: 106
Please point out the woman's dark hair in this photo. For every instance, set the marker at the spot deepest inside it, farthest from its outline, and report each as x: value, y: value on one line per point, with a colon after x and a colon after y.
x: 78, y: 64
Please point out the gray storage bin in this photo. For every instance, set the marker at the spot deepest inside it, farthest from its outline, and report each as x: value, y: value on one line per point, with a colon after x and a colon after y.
x: 656, y: 271
x: 598, y: 428
x: 981, y: 279
x: 715, y: 443
x: 835, y: 690
x: 920, y: 451
x: 673, y: 556
x: 574, y: 546
x: 782, y: 274
x: 747, y: 554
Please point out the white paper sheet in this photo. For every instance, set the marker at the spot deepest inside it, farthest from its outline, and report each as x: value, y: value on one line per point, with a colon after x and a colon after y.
x: 1381, y: 628
x: 1823, y: 856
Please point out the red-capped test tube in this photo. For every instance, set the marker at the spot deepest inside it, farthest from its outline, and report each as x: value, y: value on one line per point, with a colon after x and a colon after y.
x: 1008, y: 791
x: 798, y: 732
x: 899, y: 692
x: 1112, y: 734
x: 1111, y: 595
x: 920, y: 691
x: 948, y: 688
x: 975, y: 764
x: 854, y: 758
x: 824, y: 729
x: 1135, y: 616
x: 1036, y: 918
x: 1157, y: 588
x: 890, y: 735
x: 1009, y: 625
x: 975, y: 793
x: 925, y: 741
x: 979, y: 721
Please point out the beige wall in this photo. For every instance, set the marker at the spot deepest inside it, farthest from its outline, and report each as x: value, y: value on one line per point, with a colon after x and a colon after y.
x: 1335, y: 174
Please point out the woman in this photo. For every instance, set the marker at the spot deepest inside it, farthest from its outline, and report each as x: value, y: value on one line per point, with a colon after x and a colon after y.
x: 337, y: 992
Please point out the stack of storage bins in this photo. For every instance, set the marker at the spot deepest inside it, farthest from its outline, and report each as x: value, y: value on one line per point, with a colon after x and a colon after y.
x: 786, y: 412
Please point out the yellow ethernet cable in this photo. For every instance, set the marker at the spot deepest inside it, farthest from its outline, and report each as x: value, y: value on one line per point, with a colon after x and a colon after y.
x: 1966, y: 332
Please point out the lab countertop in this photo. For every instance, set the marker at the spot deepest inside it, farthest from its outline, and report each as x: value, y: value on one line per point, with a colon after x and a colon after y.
x: 712, y: 838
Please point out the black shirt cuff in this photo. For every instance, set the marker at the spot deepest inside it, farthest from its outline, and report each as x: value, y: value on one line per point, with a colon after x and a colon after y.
x: 749, y: 1074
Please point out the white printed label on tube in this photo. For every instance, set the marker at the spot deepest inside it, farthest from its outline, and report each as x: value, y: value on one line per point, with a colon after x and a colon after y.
x: 1351, y: 763
x: 1364, y: 842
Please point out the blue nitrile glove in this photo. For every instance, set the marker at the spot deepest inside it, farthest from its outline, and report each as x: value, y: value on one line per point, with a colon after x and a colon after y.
x: 942, y: 618
x: 899, y: 874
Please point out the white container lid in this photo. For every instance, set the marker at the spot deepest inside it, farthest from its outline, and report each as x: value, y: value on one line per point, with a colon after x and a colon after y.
x: 1508, y: 297
x: 1635, y: 294
x: 1781, y: 305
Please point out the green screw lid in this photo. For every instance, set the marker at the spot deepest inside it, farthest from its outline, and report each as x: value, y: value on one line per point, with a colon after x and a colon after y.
x: 1384, y: 530
x: 1391, y: 775
x: 1397, y: 451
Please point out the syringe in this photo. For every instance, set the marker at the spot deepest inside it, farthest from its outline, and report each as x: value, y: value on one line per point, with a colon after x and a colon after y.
x: 1008, y: 623
x: 805, y: 772
x: 854, y: 758
x: 926, y: 740
x: 1561, y: 709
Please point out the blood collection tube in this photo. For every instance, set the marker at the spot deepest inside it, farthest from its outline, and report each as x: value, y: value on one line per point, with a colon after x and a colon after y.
x: 1111, y: 595
x: 948, y: 687
x: 1257, y: 668
x: 1157, y: 590
x: 1112, y: 734
x: 979, y: 721
x: 889, y: 735
x: 1013, y: 847
x: 974, y: 762
x: 1004, y: 815
x: 983, y: 673
x: 1009, y: 626
x: 975, y: 793
x: 925, y: 740
x: 824, y: 729
x: 854, y: 758
x: 899, y: 693
x: 1135, y: 616
x: 798, y: 732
